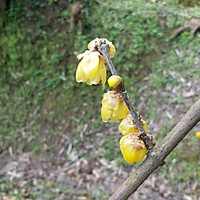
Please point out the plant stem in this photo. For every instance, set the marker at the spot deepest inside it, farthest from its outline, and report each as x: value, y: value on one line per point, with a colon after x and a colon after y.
x: 157, y: 156
x: 104, y: 50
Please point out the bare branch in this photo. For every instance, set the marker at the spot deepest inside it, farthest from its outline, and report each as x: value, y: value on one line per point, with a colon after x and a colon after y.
x: 157, y: 156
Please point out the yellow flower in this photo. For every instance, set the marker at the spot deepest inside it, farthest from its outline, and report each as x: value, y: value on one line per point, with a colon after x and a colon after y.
x: 91, y: 69
x: 128, y: 125
x: 114, y: 81
x: 113, y: 106
x: 133, y: 148
x: 97, y: 41
x: 197, y: 134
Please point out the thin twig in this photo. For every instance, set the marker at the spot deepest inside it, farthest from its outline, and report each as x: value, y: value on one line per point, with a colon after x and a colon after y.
x: 104, y: 50
x: 157, y: 156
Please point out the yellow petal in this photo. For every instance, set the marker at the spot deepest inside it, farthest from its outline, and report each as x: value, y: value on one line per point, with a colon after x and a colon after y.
x: 114, y: 81
x: 115, y: 108
x: 144, y: 125
x: 92, y: 43
x: 113, y: 102
x: 80, y: 75
x: 110, y: 102
x: 111, y: 50
x: 135, y: 129
x: 106, y: 96
x: 133, y: 148
x: 102, y: 71
x: 128, y: 125
x: 105, y: 112
x: 121, y: 112
x: 90, y: 64
x: 83, y: 54
x: 96, y: 77
x: 89, y: 82
x: 124, y: 127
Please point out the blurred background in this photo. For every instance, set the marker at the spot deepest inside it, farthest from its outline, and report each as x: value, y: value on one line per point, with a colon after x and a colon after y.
x: 53, y: 143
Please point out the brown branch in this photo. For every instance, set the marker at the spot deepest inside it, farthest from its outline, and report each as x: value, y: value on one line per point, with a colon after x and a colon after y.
x: 157, y: 156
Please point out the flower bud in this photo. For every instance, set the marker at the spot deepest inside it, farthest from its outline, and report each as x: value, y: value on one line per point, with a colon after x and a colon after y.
x: 133, y: 148
x: 113, y: 106
x: 111, y: 50
x: 114, y: 81
x: 128, y: 125
x: 197, y: 134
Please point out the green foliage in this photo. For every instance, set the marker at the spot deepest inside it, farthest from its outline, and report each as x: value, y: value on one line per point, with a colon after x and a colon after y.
x: 131, y: 29
x: 32, y: 72
x: 188, y: 3
x: 110, y: 152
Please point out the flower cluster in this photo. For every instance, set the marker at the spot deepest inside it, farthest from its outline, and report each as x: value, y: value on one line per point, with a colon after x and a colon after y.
x: 113, y: 106
x: 91, y: 70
